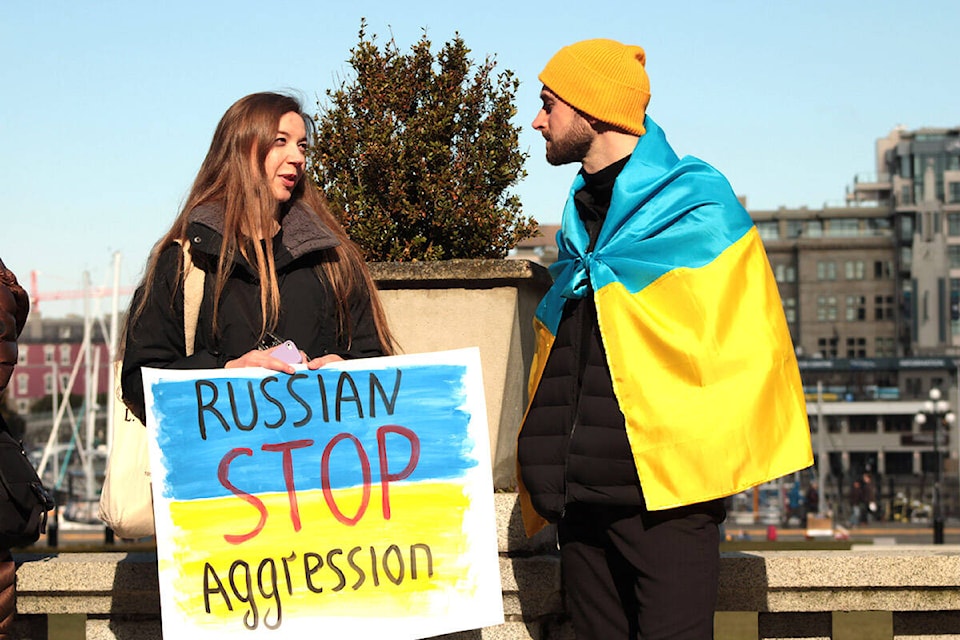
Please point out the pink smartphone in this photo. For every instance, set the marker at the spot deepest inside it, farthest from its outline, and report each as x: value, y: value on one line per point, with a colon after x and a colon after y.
x: 287, y: 352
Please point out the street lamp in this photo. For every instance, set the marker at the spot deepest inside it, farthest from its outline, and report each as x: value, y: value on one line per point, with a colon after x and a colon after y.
x: 939, y: 410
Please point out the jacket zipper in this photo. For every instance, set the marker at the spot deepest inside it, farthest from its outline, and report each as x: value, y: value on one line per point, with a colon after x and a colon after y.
x: 584, y: 318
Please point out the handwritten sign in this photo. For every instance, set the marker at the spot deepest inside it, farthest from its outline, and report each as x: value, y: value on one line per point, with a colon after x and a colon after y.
x: 354, y: 501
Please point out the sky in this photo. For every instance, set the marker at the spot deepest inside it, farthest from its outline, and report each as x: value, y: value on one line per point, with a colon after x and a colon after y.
x: 107, y: 108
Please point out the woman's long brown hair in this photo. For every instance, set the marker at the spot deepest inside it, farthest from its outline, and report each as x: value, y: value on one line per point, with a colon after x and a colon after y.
x: 240, y: 144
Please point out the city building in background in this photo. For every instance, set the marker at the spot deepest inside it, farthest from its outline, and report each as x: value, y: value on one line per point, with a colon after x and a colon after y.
x: 53, y: 360
x: 542, y: 248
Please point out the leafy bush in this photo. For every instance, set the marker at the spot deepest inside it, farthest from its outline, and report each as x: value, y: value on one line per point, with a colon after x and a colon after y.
x: 417, y: 154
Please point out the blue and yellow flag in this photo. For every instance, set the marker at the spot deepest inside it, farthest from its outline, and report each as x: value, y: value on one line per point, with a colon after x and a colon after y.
x: 701, y: 358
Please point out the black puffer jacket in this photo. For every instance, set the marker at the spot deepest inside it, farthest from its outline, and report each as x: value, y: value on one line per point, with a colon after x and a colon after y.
x: 307, y: 306
x: 573, y: 445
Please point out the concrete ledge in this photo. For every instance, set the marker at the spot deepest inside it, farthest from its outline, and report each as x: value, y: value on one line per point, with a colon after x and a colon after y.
x: 461, y: 273
x: 901, y: 593
x: 123, y: 630
x: 909, y: 580
x: 511, y: 537
x: 88, y: 583
x: 768, y: 581
x: 531, y: 587
x: 887, y: 568
x: 487, y: 304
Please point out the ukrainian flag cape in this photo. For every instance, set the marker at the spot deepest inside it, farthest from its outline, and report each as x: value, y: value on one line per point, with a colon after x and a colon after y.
x: 701, y: 358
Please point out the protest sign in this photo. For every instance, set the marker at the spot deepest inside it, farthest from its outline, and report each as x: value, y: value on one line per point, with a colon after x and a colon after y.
x: 353, y: 501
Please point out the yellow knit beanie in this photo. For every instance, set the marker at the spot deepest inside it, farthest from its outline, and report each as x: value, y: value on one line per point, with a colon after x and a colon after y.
x: 604, y: 79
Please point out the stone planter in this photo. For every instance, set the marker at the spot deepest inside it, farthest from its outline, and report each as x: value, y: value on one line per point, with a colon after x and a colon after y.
x: 453, y: 304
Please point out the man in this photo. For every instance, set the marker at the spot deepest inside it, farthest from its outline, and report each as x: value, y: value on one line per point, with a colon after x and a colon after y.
x: 665, y: 378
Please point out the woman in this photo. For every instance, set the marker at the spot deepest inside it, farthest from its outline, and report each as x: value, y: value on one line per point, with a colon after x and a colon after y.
x: 277, y: 264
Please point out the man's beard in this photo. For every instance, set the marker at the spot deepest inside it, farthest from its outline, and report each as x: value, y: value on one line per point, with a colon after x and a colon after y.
x: 572, y: 146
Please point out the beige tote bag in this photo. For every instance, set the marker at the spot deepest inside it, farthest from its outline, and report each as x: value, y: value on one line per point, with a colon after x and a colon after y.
x: 126, y: 500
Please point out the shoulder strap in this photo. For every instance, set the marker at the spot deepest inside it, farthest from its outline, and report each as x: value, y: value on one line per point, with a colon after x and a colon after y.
x: 192, y: 296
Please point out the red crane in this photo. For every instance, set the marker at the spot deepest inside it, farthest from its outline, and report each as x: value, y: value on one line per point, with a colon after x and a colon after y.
x: 76, y: 294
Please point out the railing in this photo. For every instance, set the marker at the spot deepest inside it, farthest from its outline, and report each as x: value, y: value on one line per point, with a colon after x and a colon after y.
x: 875, y: 594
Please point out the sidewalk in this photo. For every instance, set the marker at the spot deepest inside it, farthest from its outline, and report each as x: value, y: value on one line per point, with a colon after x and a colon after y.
x: 878, y: 532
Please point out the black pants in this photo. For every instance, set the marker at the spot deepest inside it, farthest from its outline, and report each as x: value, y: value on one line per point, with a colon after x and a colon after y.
x: 634, y: 574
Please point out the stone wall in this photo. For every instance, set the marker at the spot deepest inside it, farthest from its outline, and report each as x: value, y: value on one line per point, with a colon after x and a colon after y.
x: 893, y: 593
x: 489, y: 304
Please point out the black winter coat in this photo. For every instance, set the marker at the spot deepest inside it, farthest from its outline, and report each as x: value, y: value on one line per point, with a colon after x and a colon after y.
x: 573, y: 446
x: 307, y: 305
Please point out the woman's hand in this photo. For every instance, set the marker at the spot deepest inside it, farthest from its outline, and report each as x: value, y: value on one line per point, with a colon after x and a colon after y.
x: 258, y: 358
x: 316, y: 363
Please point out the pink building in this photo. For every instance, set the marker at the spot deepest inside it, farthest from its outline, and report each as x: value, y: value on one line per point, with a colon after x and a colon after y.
x: 48, y: 353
